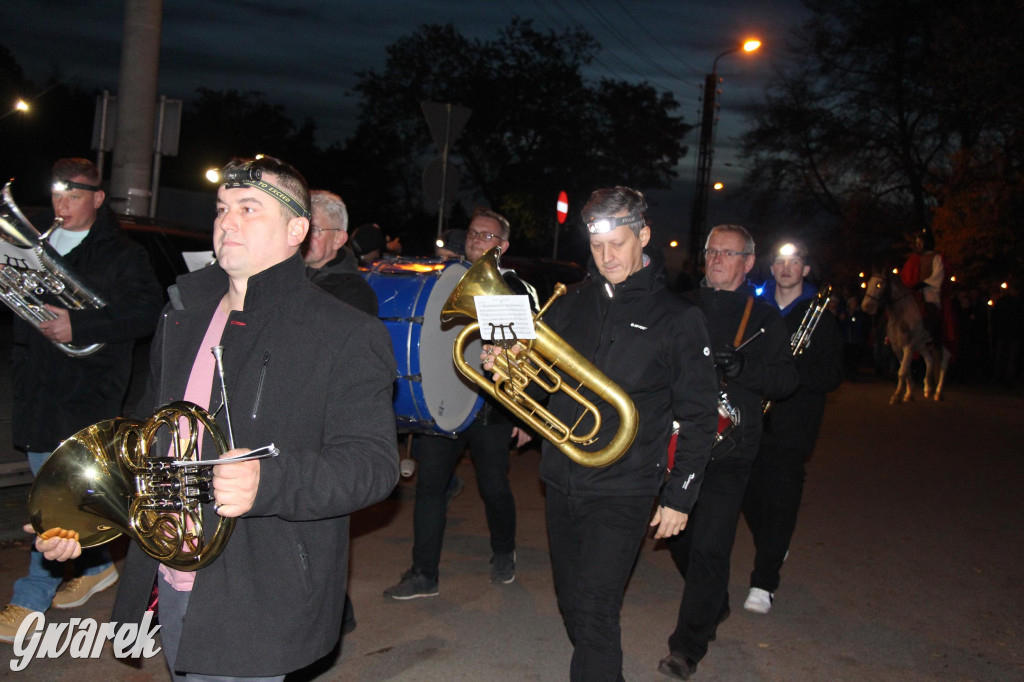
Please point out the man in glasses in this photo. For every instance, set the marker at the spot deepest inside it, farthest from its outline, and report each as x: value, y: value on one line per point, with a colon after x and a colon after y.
x: 329, y: 264
x: 488, y: 439
x: 751, y: 349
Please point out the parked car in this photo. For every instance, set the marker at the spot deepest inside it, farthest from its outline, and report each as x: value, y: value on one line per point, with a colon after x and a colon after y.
x: 545, y: 273
x: 165, y: 245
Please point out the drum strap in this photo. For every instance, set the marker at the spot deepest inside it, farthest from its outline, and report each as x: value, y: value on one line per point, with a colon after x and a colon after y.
x: 743, y: 322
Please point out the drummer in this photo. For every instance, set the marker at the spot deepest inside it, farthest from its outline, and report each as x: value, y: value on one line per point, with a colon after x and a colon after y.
x: 488, y: 439
x: 451, y: 245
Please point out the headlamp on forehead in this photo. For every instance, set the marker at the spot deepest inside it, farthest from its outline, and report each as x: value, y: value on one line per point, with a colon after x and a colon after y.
x: 67, y: 185
x: 790, y: 250
x: 237, y: 177
x: 246, y: 176
x: 605, y: 225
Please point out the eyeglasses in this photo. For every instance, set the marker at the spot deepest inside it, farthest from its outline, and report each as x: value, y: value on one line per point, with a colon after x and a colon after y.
x: 482, y: 236
x: 710, y: 254
x: 318, y: 230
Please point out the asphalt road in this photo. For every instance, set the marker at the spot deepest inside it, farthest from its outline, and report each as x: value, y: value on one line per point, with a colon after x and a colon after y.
x: 905, y: 567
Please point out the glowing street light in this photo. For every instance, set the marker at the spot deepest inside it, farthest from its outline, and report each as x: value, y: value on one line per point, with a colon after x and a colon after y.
x: 699, y: 215
x: 718, y: 186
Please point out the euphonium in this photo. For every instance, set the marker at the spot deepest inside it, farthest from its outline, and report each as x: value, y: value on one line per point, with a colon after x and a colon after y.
x: 30, y: 271
x: 117, y: 477
x: 542, y: 361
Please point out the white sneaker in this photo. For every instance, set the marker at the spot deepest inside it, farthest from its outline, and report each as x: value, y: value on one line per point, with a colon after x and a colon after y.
x: 759, y: 601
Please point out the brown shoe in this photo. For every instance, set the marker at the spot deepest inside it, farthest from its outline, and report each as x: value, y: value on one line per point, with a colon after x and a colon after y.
x: 77, y: 591
x: 11, y: 619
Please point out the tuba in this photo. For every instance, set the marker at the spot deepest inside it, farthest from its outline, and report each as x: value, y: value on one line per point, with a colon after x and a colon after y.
x: 125, y: 476
x: 30, y: 272
x: 541, y: 362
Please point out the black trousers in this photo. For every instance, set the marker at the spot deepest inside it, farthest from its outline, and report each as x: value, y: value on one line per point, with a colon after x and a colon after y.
x: 771, y: 505
x: 702, y: 553
x: 594, y: 541
x: 436, y: 457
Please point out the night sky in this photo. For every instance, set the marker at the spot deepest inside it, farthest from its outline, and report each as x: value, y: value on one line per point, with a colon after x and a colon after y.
x: 305, y: 55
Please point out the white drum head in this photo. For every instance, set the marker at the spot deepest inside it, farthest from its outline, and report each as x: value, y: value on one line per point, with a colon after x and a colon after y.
x: 449, y: 396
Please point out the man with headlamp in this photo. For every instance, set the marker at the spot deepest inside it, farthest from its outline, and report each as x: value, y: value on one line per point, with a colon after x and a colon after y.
x: 56, y: 395
x: 303, y: 371
x: 655, y: 346
x: 773, y: 494
x: 754, y: 362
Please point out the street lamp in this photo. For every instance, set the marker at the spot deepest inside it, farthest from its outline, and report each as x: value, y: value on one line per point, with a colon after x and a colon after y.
x: 699, y: 215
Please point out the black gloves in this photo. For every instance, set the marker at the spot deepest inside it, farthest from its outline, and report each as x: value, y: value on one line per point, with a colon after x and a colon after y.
x: 730, y: 361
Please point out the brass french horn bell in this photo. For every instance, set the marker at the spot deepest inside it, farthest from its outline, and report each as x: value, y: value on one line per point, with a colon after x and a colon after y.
x: 544, y: 361
x: 124, y: 476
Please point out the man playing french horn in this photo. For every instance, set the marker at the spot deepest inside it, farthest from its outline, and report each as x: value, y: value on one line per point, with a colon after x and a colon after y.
x: 303, y: 371
x: 654, y: 345
x: 73, y: 369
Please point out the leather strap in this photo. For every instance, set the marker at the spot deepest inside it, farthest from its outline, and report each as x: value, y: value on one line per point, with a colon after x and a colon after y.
x: 743, y: 322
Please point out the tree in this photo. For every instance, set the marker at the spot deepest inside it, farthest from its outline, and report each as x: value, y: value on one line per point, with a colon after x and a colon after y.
x: 219, y: 125
x: 881, y: 109
x: 537, y: 126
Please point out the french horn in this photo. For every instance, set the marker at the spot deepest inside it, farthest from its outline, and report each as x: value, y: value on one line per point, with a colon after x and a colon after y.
x: 544, y: 362
x: 125, y: 476
x: 30, y: 272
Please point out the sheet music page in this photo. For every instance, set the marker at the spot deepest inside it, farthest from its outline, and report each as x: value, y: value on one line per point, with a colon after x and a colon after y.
x: 510, y: 315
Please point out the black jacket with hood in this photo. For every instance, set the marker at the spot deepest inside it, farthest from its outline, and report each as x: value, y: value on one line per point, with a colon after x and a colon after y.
x: 655, y: 346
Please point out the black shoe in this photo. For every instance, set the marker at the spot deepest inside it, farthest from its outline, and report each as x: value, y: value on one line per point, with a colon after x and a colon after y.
x: 413, y: 585
x: 678, y: 666
x: 723, y: 615
x: 503, y: 568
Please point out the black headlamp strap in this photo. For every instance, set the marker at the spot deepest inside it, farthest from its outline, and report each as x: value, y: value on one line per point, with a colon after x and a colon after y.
x: 273, y: 190
x: 65, y: 185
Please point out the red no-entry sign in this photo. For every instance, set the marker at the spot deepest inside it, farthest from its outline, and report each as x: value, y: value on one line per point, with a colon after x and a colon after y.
x: 562, y: 207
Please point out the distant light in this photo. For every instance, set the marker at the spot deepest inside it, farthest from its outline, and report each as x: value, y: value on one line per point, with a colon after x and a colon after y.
x: 718, y: 185
x: 21, y: 105
x: 952, y: 278
x: 673, y: 243
x: 862, y: 275
x: 259, y: 156
x: 751, y: 45
x: 758, y: 291
x: 1003, y: 285
x: 213, y: 175
x: 895, y: 271
x: 863, y: 285
x: 439, y: 243
x: 990, y: 301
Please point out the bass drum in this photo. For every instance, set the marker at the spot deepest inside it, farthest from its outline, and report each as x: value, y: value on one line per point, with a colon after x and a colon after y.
x: 430, y: 394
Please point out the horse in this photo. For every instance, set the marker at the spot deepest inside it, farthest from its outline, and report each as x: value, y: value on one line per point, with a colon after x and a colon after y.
x: 907, y: 333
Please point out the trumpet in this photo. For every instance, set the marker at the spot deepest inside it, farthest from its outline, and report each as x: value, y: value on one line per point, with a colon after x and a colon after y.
x: 30, y: 271
x: 543, y: 361
x: 801, y: 338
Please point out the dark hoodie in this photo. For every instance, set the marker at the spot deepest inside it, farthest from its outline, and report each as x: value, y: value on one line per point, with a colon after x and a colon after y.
x: 655, y: 346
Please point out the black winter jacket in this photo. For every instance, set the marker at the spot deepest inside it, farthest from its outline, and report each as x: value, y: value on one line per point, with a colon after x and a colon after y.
x: 55, y: 395
x: 654, y: 345
x: 768, y: 372
x: 794, y: 422
x: 314, y: 377
x: 340, y: 277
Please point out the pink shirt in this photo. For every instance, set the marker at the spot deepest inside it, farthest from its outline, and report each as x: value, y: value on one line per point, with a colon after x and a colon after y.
x: 198, y: 392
